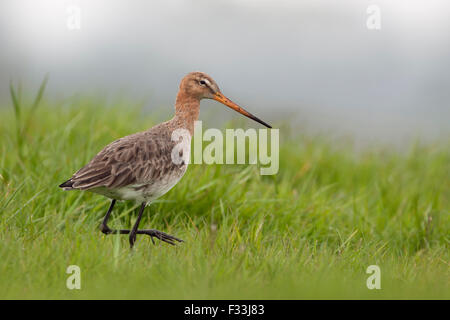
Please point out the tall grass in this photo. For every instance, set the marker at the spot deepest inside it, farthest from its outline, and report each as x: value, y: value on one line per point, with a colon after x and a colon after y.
x: 308, y: 232
x: 24, y: 114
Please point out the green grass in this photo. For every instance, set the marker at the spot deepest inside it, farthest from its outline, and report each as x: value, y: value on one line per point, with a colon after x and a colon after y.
x: 308, y: 232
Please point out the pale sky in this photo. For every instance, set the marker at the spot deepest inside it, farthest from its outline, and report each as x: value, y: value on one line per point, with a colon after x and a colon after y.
x: 315, y: 58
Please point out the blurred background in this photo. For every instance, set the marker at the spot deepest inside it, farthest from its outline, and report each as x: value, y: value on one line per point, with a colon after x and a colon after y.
x: 313, y: 62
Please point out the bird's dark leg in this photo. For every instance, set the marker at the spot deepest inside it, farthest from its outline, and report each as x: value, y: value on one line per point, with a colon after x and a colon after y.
x: 104, y: 226
x: 136, y: 225
x: 150, y: 232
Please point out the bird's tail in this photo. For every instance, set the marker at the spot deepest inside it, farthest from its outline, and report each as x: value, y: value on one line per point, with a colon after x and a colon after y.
x: 67, y: 185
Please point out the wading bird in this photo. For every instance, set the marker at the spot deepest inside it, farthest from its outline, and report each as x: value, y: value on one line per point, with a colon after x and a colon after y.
x: 140, y: 166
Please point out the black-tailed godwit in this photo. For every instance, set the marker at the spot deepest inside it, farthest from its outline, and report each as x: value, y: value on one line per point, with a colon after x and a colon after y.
x: 140, y: 166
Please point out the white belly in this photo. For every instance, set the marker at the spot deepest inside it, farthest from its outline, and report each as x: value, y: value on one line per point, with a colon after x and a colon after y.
x: 148, y: 192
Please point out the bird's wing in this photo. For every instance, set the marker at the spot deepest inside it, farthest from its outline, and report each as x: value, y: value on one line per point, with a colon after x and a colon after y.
x: 130, y: 160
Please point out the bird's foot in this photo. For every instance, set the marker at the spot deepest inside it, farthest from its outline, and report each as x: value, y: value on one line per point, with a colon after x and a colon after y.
x: 105, y: 229
x: 159, y: 235
x: 132, y: 239
x: 151, y: 232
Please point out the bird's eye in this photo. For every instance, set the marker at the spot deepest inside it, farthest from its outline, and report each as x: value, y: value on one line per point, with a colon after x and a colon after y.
x: 203, y: 82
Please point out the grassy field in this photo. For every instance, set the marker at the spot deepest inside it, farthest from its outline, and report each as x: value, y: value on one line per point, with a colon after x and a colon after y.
x: 308, y: 232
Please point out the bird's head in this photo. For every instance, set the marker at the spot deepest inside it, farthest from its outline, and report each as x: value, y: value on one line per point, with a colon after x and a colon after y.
x: 199, y: 85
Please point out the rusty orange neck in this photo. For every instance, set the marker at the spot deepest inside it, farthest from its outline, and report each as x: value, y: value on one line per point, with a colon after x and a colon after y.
x: 187, y: 109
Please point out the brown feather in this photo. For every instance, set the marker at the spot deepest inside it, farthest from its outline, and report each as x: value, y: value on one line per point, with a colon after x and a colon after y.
x: 133, y: 159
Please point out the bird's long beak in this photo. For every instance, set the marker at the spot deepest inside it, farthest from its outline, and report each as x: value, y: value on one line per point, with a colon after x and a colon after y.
x: 222, y: 99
